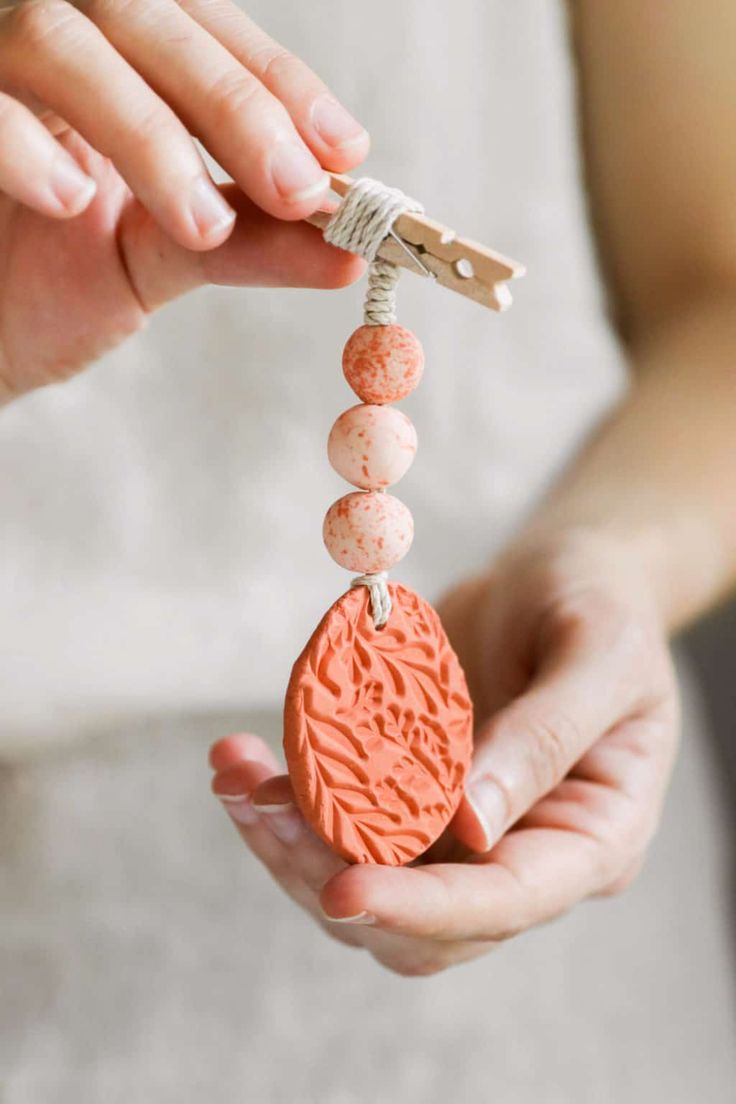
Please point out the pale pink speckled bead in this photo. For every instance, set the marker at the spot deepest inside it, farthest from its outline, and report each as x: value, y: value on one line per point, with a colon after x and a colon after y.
x: 372, y: 446
x: 383, y: 364
x: 367, y: 531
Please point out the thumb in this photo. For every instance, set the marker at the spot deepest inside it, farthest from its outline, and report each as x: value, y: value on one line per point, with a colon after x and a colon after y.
x: 261, y: 251
x: 230, y: 751
x: 528, y: 747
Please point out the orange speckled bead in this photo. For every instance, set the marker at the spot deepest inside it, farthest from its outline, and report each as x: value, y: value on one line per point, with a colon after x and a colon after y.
x: 368, y: 531
x: 383, y: 364
x: 372, y: 446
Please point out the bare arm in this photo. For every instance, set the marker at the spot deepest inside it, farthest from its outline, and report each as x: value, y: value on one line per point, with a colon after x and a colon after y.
x: 658, y: 105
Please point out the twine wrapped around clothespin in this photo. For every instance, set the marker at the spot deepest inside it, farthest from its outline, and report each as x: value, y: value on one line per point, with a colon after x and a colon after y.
x: 427, y: 248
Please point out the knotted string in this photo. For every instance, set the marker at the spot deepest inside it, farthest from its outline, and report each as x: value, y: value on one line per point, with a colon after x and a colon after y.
x: 380, y: 598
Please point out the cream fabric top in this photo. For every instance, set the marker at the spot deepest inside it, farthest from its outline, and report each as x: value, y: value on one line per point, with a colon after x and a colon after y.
x: 162, y: 513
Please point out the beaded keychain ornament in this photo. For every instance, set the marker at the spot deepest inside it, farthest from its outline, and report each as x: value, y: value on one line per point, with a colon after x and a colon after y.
x: 378, y: 723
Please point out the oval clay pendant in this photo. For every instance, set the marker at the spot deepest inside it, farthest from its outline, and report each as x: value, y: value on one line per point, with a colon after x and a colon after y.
x: 378, y: 729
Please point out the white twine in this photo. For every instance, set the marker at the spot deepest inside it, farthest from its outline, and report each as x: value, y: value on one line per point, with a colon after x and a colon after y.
x: 380, y: 597
x: 360, y: 224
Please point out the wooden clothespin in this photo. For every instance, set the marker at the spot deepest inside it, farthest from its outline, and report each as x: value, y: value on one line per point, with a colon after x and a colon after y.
x: 430, y: 249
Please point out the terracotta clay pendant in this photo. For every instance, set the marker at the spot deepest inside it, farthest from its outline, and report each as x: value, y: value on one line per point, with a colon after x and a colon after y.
x: 378, y: 729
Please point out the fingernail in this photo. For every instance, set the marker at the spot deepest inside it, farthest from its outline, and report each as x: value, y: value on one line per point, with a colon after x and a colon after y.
x: 286, y: 823
x: 489, y: 804
x: 359, y: 918
x: 336, y: 125
x: 240, y: 807
x: 71, y: 186
x: 210, y: 212
x: 296, y: 174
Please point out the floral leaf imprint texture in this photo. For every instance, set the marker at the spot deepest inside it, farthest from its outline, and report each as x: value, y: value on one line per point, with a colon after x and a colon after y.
x: 378, y: 729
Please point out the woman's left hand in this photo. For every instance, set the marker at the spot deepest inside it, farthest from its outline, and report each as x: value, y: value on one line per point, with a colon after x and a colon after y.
x: 107, y: 208
x: 577, y: 719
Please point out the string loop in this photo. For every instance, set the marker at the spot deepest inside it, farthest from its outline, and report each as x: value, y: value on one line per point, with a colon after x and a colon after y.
x: 380, y: 598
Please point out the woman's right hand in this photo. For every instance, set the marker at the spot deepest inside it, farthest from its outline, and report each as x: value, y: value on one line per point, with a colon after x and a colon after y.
x: 107, y: 209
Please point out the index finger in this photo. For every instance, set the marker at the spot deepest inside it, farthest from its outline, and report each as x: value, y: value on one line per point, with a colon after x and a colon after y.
x: 240, y: 122
x: 337, y: 139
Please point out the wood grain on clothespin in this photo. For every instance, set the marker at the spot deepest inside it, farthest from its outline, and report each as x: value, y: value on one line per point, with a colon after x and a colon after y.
x: 429, y: 247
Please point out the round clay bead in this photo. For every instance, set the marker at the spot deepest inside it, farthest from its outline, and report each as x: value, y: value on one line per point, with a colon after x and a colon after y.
x: 372, y: 446
x: 383, y: 364
x: 367, y: 531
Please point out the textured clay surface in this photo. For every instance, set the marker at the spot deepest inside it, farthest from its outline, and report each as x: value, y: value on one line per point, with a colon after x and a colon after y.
x: 368, y: 531
x: 383, y: 364
x: 378, y: 729
x: 372, y: 446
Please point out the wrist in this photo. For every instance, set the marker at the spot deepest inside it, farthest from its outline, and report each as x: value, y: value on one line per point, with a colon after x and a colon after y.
x: 672, y: 553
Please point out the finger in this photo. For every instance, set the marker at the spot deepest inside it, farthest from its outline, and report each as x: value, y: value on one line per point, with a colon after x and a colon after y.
x: 269, y: 837
x: 423, y: 957
x: 617, y: 790
x: 240, y: 747
x: 310, y: 857
x: 495, y: 674
x: 615, y: 795
x: 261, y: 251
x: 234, y: 787
x: 63, y: 60
x: 334, y: 136
x: 245, y: 128
x: 275, y: 791
x: 582, y: 689
x: 35, y: 169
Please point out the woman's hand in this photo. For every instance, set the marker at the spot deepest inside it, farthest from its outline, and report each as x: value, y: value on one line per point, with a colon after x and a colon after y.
x: 107, y: 209
x: 577, y: 719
